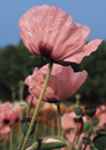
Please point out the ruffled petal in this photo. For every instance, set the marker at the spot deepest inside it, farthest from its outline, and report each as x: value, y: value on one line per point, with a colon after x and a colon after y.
x: 85, y: 51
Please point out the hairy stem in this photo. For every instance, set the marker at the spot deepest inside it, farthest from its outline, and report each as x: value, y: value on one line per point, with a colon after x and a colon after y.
x: 36, y: 110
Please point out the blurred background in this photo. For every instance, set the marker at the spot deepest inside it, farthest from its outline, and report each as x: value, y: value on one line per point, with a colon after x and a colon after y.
x: 16, y: 63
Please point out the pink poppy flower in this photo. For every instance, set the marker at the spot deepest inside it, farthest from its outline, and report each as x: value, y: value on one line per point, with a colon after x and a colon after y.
x: 9, y: 113
x: 70, y: 126
x: 31, y: 100
x: 4, y: 132
x: 49, y: 31
x: 101, y: 115
x: 68, y: 120
x: 100, y: 109
x: 63, y: 83
x: 74, y: 130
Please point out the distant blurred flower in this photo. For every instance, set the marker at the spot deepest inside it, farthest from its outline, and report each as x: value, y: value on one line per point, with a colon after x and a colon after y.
x: 5, y: 132
x: 9, y: 112
x: 48, y: 115
x: 64, y: 82
x: 101, y: 115
x: 71, y: 127
x: 101, y: 109
x: 31, y: 100
x: 68, y: 120
x: 9, y: 115
x: 51, y: 32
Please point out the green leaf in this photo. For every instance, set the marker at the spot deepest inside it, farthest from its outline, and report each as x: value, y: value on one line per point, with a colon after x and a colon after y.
x: 48, y: 144
x: 52, y: 143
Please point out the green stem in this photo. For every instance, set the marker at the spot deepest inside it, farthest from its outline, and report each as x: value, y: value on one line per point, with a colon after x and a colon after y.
x: 59, y: 120
x: 28, y: 110
x: 11, y: 141
x: 13, y: 93
x: 21, y: 90
x: 4, y: 145
x: 36, y: 110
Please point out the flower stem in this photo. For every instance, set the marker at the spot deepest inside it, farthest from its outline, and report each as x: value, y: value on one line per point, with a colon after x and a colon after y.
x: 11, y: 141
x: 36, y: 110
x: 59, y: 120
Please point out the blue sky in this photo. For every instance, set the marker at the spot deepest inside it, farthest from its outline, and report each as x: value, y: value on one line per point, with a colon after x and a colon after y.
x: 88, y: 12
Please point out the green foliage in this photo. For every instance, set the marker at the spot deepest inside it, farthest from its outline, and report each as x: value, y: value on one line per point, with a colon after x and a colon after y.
x: 15, y: 64
x: 100, y: 142
x: 96, y: 67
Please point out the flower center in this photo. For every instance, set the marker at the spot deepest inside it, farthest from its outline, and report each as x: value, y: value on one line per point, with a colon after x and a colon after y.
x: 45, y: 50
